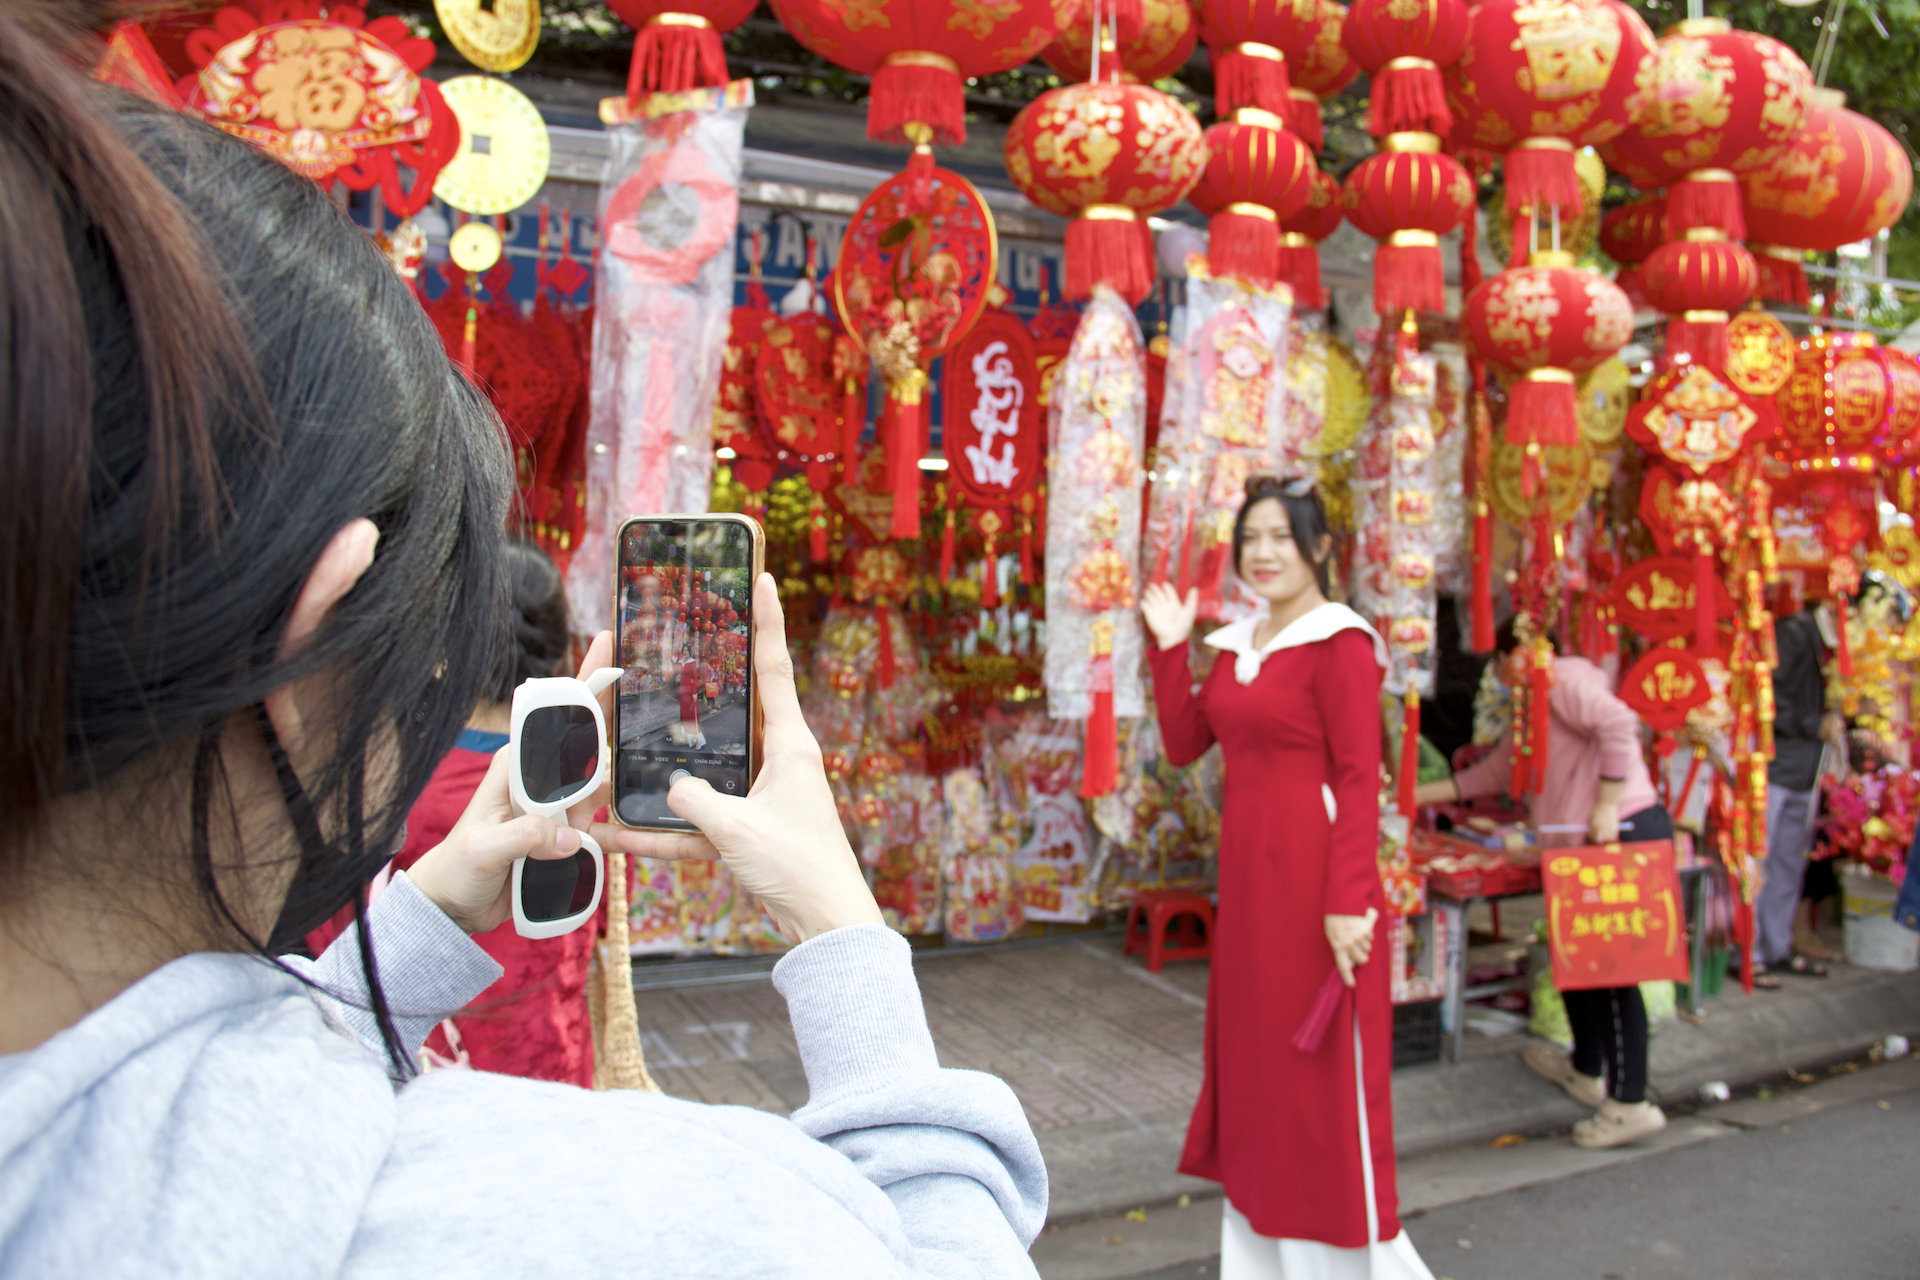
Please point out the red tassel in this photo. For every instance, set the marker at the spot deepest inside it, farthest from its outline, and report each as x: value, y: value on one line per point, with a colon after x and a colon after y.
x: 1540, y: 708
x: 1694, y: 203
x: 1482, y: 579
x: 668, y: 58
x: 1026, y: 547
x: 990, y: 579
x: 1408, y: 276
x: 1242, y: 79
x: 1409, y: 754
x: 1244, y: 245
x: 946, y: 550
x: 1541, y: 179
x: 883, y: 664
x: 1703, y: 584
x: 1410, y: 100
x: 1303, y: 119
x: 1781, y: 278
x: 1109, y: 251
x: 1702, y: 341
x: 817, y: 530
x: 1470, y: 273
x: 918, y: 90
x: 1846, y: 646
x: 1299, y: 266
x: 903, y: 463
x: 1543, y: 411
x: 1100, y: 768
x: 853, y: 418
x: 1743, y: 939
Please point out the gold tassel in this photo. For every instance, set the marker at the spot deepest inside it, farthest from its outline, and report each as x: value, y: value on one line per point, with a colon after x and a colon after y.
x: 618, y: 1062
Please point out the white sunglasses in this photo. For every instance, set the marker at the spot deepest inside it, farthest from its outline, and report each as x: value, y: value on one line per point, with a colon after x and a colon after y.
x: 559, y: 752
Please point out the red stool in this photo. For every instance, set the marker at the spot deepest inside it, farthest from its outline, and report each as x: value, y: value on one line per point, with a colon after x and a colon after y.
x: 1178, y: 926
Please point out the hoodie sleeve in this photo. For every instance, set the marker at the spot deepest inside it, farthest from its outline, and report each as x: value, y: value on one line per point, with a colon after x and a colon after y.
x: 427, y: 966
x: 951, y: 1149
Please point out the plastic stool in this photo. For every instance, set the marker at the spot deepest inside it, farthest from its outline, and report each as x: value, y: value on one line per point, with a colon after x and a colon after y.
x: 1178, y: 926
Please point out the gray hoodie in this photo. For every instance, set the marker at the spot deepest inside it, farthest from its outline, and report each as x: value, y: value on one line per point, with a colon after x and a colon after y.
x: 219, y: 1119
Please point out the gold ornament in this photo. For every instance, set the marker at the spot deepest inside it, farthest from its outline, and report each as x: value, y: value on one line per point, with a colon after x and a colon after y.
x: 1323, y: 371
x: 1760, y: 352
x: 1602, y: 396
x: 1568, y: 476
x: 504, y: 147
x: 499, y: 37
x: 474, y: 247
x: 1577, y: 235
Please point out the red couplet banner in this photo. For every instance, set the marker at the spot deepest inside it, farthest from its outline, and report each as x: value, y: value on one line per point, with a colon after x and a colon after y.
x: 1614, y: 915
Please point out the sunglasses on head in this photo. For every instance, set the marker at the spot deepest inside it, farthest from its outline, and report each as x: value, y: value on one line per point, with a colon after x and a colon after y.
x: 558, y: 746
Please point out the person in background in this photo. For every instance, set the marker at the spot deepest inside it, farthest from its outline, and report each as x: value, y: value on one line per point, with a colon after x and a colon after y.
x: 1793, y: 779
x: 1596, y: 782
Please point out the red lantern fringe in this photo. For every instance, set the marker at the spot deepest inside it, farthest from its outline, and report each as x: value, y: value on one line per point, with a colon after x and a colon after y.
x: 903, y: 464
x: 1299, y: 266
x: 1704, y: 342
x: 668, y: 58
x: 1243, y: 245
x: 1780, y: 280
x: 1100, y: 768
x: 1703, y: 599
x: 1409, y: 754
x: 1302, y: 114
x: 923, y: 94
x: 1692, y: 203
x: 1541, y: 179
x: 1482, y: 579
x: 1242, y: 80
x: 883, y: 664
x: 1846, y: 647
x: 1115, y: 252
x: 1409, y: 100
x: 1544, y: 412
x: 1408, y: 276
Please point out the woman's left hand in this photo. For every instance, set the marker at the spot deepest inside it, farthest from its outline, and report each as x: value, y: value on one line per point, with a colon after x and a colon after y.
x: 1351, y: 938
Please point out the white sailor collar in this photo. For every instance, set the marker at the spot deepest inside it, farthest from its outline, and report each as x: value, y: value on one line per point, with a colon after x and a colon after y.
x: 1316, y: 624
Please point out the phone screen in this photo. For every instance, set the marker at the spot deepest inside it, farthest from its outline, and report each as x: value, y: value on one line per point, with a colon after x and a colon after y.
x: 686, y: 700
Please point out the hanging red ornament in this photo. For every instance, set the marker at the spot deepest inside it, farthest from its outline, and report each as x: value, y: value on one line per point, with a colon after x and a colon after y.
x: 1403, y: 44
x: 1249, y: 43
x: 1319, y: 66
x: 1300, y: 237
x: 994, y: 436
x: 1538, y: 326
x: 1160, y: 47
x: 677, y: 43
x: 1257, y: 174
x: 1698, y: 282
x: 1406, y: 197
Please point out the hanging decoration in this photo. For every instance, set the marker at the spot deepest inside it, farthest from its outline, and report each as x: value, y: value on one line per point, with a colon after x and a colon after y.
x: 1407, y: 196
x: 1840, y: 180
x: 1319, y: 66
x: 498, y: 38
x: 797, y: 399
x: 1249, y: 45
x: 1257, y: 175
x: 1412, y: 596
x: 662, y: 318
x: 1300, y: 237
x: 128, y: 61
x: 334, y: 98
x: 1096, y: 428
x: 1760, y: 353
x: 1105, y: 155
x: 1162, y: 46
x: 1629, y: 234
x: 1578, y: 231
x: 993, y: 430
x: 504, y: 148
x: 676, y: 45
x: 736, y: 412
x: 1402, y: 45
x: 912, y: 276
x: 1699, y: 281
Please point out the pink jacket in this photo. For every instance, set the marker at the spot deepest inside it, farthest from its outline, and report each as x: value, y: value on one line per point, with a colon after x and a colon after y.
x: 1593, y: 735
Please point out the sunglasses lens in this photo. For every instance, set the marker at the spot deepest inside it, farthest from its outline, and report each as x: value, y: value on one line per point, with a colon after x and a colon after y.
x: 557, y: 888
x: 559, y: 752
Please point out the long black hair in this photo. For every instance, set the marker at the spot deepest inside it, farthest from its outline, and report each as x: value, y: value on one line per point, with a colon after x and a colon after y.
x: 1306, y: 521
x: 208, y: 372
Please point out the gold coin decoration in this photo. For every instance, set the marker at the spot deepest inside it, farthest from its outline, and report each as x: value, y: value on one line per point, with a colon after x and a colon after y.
x: 474, y: 247
x: 1568, y: 477
x: 504, y: 147
x: 1577, y: 235
x: 495, y: 36
x: 1601, y: 402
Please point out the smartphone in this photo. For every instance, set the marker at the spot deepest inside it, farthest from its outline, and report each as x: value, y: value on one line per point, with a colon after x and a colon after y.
x: 687, y: 703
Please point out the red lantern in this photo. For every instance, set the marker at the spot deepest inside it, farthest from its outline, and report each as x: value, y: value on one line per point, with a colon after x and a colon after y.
x: 1539, y: 81
x: 1106, y: 155
x: 921, y: 52
x: 1842, y: 179
x: 1403, y: 44
x: 1539, y: 325
x: 1320, y: 67
x: 1257, y: 174
x: 1250, y: 43
x: 1724, y: 103
x: 1405, y: 197
x: 1849, y: 405
x: 677, y: 45
x: 1630, y: 233
x: 1697, y: 282
x: 1300, y: 238
x: 1160, y: 48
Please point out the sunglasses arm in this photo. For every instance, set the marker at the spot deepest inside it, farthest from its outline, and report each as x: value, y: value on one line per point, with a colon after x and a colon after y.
x: 602, y: 678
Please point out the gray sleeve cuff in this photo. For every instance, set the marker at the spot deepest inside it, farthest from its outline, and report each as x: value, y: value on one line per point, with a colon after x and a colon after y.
x: 856, y: 1010
x: 427, y: 965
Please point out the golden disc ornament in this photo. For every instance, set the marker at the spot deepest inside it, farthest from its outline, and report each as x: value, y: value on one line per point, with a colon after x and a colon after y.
x: 1323, y: 370
x: 496, y: 36
x: 504, y: 147
x: 474, y: 247
x: 1569, y: 475
x: 1760, y: 352
x: 1601, y: 398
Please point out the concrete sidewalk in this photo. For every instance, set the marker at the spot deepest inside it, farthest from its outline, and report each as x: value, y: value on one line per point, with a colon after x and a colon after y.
x: 1106, y: 1057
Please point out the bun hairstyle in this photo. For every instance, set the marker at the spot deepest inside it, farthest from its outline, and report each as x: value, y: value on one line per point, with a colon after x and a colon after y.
x: 1306, y: 519
x: 541, y: 634
x: 209, y: 371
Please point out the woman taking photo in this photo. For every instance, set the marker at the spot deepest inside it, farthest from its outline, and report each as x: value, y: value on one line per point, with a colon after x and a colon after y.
x: 250, y: 590
x: 1303, y: 1142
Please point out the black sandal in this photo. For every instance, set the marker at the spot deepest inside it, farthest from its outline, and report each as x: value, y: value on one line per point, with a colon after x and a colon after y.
x: 1801, y: 966
x: 1764, y: 980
